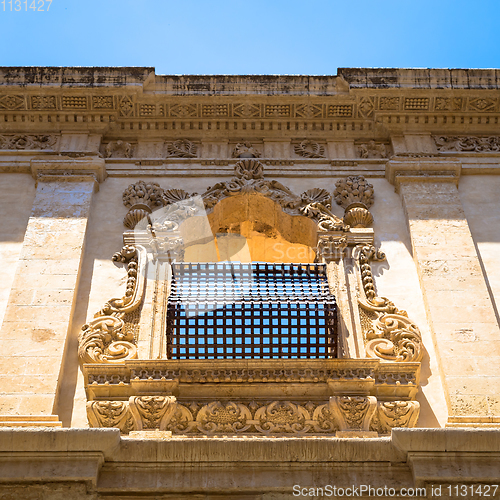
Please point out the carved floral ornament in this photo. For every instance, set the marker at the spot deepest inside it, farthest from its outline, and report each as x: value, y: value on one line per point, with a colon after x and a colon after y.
x: 29, y: 142
x: 111, y: 337
x: 471, y: 144
x: 340, y: 413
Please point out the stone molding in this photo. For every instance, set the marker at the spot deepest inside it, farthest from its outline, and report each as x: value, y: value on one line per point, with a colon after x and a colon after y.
x: 258, y: 401
x: 65, y: 168
x: 85, y: 464
x: 342, y: 413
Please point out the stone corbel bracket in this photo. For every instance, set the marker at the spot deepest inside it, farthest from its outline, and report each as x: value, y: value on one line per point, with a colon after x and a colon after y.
x: 72, y: 169
x: 422, y: 170
x: 388, y: 333
x: 111, y: 337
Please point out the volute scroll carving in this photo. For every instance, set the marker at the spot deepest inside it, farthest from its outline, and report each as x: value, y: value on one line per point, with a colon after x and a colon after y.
x: 388, y: 333
x: 111, y: 337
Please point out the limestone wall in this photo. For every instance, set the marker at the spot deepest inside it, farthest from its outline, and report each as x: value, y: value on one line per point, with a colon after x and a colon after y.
x: 17, y: 192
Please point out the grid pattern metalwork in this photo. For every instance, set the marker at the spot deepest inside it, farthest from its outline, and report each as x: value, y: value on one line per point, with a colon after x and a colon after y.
x: 250, y: 311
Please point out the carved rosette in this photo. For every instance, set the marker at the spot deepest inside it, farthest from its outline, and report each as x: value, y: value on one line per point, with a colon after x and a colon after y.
x: 355, y: 195
x: 111, y: 337
x: 388, y: 332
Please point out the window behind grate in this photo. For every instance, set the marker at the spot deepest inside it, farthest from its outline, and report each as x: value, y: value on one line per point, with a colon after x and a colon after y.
x: 257, y: 310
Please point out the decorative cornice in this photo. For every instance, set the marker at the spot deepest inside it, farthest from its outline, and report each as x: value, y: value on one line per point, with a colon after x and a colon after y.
x: 66, y: 168
x: 430, y: 169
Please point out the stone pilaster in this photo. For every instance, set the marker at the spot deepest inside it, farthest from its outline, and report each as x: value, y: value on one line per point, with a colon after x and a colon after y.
x: 459, y: 307
x: 41, y: 302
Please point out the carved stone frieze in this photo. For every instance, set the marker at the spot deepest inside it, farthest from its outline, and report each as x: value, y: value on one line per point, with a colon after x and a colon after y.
x: 468, y: 143
x: 355, y: 195
x: 372, y: 149
x: 118, y: 149
x: 182, y: 148
x: 21, y: 142
x: 310, y: 149
x: 111, y: 337
x: 388, y: 332
x: 279, y: 417
x: 245, y: 150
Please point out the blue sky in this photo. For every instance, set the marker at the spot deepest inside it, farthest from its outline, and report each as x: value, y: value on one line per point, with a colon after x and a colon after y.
x: 251, y: 37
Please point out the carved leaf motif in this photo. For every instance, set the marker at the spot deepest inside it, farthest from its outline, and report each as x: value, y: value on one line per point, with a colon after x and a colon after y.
x: 152, y: 412
x: 110, y: 414
x: 101, y: 341
x: 353, y: 412
x: 467, y: 143
x: 398, y: 414
x: 182, y: 149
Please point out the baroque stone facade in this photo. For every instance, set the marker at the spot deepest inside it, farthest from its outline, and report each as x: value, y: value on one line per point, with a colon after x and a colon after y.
x: 385, y: 180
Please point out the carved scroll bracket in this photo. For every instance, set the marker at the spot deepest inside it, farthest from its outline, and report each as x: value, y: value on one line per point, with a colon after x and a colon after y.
x: 388, y: 333
x: 111, y: 337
